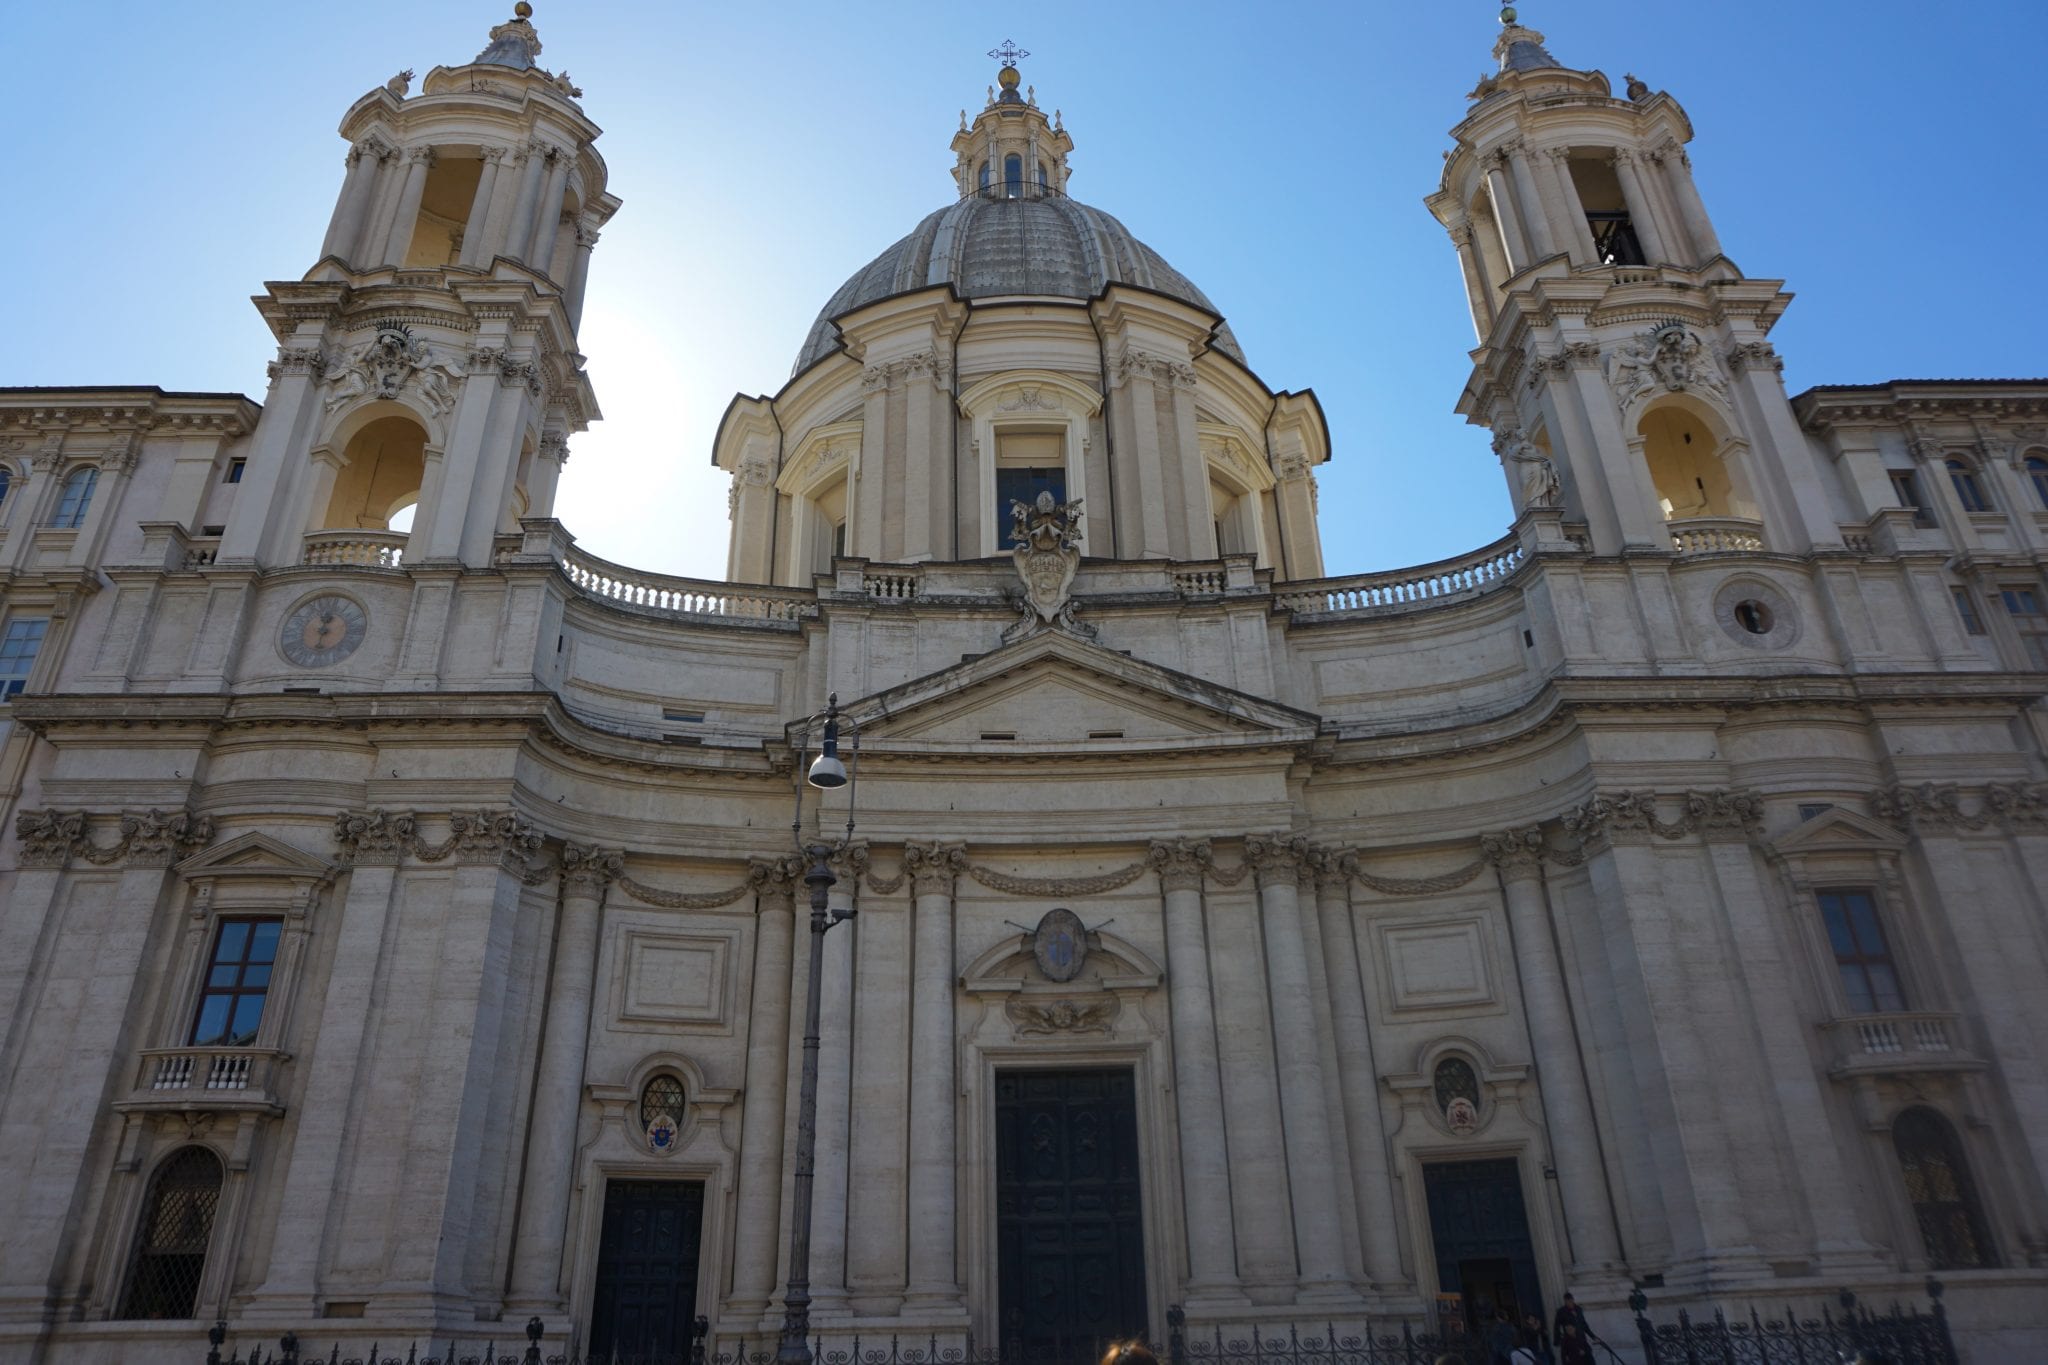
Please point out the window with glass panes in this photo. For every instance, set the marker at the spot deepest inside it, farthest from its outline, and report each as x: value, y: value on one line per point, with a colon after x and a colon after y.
x: 1969, y: 492
x: 1863, y: 956
x: 1966, y: 607
x: 19, y: 645
x: 237, y: 983
x: 2037, y: 475
x: 76, y: 498
x: 2023, y: 604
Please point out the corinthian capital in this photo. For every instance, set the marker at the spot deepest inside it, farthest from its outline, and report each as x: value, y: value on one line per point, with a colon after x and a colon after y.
x: 1276, y: 858
x: 48, y: 837
x: 1516, y: 852
x: 934, y: 867
x: 157, y: 839
x: 375, y: 836
x: 588, y: 870
x: 1180, y: 863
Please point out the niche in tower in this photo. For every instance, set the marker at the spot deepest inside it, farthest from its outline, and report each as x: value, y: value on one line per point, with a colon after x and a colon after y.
x: 1606, y: 209
x: 444, y: 210
x: 382, y: 468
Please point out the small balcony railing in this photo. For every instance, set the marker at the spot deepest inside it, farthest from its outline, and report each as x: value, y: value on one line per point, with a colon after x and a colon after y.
x: 1871, y: 1044
x: 360, y: 549
x: 1716, y: 535
x: 208, y: 1078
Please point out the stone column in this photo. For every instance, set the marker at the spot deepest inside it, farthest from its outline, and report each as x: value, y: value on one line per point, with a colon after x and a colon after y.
x: 373, y: 845
x: 418, y: 161
x: 758, y: 1209
x: 1358, y: 1077
x: 520, y: 231
x: 1497, y: 193
x: 1536, y: 222
x: 1574, y: 1140
x: 1582, y: 248
x: 1276, y: 860
x: 1698, y: 226
x: 347, y: 224
x: 1197, y: 1079
x: 1642, y: 210
x: 835, y: 1099
x: 475, y: 247
x: 546, y: 474
x: 547, y: 214
x: 1476, y: 293
x: 579, y: 273
x: 1343, y: 1191
x: 558, y: 1086
x: 934, y: 1286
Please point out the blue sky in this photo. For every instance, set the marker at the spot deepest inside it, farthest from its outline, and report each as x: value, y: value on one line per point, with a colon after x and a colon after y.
x: 1883, y: 158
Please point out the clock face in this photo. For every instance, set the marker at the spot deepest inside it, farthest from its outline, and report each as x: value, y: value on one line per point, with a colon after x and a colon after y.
x: 322, y: 631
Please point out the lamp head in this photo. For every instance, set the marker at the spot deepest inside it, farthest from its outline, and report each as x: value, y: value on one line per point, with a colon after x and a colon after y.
x: 827, y: 771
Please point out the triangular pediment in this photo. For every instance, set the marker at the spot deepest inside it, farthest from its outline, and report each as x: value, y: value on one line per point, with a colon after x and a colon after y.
x: 1840, y: 831
x: 254, y: 854
x: 1053, y: 692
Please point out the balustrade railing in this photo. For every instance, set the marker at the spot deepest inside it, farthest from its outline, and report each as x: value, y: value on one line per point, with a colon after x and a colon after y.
x: 891, y: 585
x: 205, y: 1070
x: 359, y: 549
x: 1200, y: 582
x: 681, y: 597
x: 1466, y: 576
x: 1716, y: 535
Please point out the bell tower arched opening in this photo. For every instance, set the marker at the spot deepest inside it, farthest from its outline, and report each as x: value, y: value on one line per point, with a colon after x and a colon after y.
x: 445, y: 206
x: 1692, y: 464
x: 382, y: 468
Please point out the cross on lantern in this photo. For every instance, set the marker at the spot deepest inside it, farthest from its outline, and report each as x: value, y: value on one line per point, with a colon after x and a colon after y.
x: 1008, y: 54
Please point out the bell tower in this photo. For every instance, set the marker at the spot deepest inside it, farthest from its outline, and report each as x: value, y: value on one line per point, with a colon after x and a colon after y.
x: 1622, y: 364
x: 428, y: 364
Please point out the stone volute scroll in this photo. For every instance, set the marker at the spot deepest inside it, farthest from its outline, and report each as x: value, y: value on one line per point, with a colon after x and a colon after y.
x: 1047, y: 555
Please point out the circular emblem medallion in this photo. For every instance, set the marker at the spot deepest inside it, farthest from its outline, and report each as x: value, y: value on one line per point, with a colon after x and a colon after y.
x: 661, y: 1134
x: 323, y: 630
x: 1060, y: 944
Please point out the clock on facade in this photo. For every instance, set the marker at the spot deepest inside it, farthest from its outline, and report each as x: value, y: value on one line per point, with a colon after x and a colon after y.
x: 323, y: 630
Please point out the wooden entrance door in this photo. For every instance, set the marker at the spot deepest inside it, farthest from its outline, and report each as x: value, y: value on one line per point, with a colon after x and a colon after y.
x: 1479, y: 1229
x: 1070, y: 1245
x: 647, y: 1269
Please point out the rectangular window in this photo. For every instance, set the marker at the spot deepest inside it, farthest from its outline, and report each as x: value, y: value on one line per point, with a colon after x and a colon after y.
x: 235, y: 470
x: 1863, y: 957
x: 2023, y: 604
x: 1024, y: 484
x: 1906, y: 487
x: 19, y: 645
x: 237, y: 983
x: 1966, y: 607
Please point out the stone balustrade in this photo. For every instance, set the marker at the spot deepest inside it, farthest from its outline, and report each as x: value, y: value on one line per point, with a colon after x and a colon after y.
x: 1447, y: 580
x: 1716, y: 535
x: 207, y: 1077
x: 1895, y: 1042
x: 1200, y: 582
x: 357, y: 549
x: 681, y: 598
x: 891, y: 583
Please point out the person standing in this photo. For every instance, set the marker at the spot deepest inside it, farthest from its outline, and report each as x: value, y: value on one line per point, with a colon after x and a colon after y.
x: 1572, y: 1346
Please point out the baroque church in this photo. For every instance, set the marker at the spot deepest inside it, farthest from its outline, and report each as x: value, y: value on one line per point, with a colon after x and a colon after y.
x: 404, y: 937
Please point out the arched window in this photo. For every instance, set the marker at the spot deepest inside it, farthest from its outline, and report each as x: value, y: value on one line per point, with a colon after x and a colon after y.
x: 1943, y: 1197
x: 1042, y: 182
x: 6, y: 482
x: 661, y: 1111
x: 2037, y: 475
x: 1013, y: 176
x: 170, y: 1245
x: 1457, y: 1093
x: 1968, y: 491
x: 77, y: 496
x: 981, y: 178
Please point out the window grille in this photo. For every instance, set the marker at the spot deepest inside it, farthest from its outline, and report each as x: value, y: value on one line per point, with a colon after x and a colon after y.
x: 1455, y: 1080
x: 170, y: 1245
x: 662, y: 1097
x: 1943, y: 1197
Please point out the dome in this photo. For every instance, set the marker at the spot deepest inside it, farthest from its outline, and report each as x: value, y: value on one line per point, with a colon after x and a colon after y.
x: 986, y: 245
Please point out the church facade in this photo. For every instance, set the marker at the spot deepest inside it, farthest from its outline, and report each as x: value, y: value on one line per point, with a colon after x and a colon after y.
x: 403, y: 932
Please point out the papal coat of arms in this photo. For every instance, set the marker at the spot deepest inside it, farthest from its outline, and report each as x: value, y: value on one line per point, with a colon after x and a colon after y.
x: 1047, y: 554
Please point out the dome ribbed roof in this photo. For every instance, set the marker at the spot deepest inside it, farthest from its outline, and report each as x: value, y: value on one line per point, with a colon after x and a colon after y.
x: 985, y: 246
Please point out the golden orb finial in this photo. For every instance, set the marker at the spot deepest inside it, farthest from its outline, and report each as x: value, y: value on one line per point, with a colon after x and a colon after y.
x: 1508, y: 15
x: 1008, y: 77
x: 522, y: 10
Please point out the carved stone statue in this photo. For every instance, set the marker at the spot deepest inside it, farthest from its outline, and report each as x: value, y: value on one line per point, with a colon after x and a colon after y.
x: 1047, y: 555
x: 1638, y: 89
x: 1541, y: 486
x: 384, y: 365
x: 568, y: 87
x: 399, y: 84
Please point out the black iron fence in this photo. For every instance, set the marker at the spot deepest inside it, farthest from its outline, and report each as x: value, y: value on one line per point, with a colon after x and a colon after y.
x: 1903, y: 1334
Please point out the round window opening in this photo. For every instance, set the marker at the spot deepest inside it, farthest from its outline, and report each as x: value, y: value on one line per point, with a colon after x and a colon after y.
x: 1754, y: 617
x: 661, y: 1112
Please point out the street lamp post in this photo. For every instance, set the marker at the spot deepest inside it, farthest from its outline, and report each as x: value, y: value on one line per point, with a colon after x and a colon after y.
x: 827, y: 772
